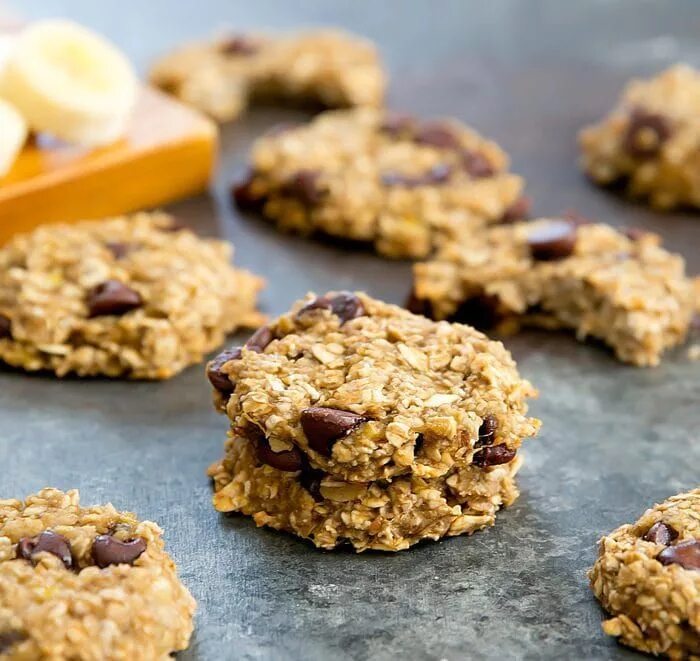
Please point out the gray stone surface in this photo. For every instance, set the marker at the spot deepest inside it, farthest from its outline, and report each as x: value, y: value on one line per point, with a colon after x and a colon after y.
x: 615, y: 439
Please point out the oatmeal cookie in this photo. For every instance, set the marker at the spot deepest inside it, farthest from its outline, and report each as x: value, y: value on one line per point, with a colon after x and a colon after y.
x: 651, y: 140
x: 86, y: 583
x: 392, y: 181
x: 222, y: 76
x: 647, y: 576
x: 620, y: 287
x: 135, y: 296
x: 386, y: 515
x: 365, y: 391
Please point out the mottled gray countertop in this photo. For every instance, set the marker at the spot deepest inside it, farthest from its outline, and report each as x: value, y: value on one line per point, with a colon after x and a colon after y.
x: 615, y: 439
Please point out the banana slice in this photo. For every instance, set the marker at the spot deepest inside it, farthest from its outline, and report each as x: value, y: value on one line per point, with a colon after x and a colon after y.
x: 69, y: 82
x: 13, y: 133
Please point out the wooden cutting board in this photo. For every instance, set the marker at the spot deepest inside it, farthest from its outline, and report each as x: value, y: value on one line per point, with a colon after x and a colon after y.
x: 168, y: 153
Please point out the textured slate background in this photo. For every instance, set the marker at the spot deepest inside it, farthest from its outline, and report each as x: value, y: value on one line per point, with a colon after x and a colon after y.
x: 615, y: 439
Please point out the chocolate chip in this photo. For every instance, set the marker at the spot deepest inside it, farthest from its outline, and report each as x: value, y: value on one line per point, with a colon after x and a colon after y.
x: 487, y: 431
x: 437, y: 134
x: 304, y: 186
x: 476, y: 164
x: 397, y: 125
x: 481, y: 311
x: 259, y: 339
x: 519, y: 210
x: 553, y: 240
x: 117, y: 248
x: 419, y: 305
x: 46, y: 542
x: 112, y: 297
x: 345, y: 305
x: 418, y: 444
x: 645, y: 134
x: 686, y: 554
x: 287, y: 460
x: 244, y: 196
x: 493, y: 455
x: 661, y: 533
x: 323, y: 426
x: 239, y: 45
x: 5, y: 327
x: 310, y: 479
x: 438, y: 174
x: 108, y: 550
x: 217, y: 378
x: 10, y: 638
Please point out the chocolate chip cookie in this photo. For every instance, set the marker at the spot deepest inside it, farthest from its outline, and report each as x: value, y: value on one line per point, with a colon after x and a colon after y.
x: 620, y: 287
x: 650, y: 140
x: 647, y: 576
x: 138, y: 297
x: 86, y: 583
x: 397, y: 183
x: 350, y: 400
x: 222, y: 76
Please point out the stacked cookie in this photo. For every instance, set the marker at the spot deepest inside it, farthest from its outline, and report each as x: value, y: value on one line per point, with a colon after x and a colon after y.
x: 354, y: 420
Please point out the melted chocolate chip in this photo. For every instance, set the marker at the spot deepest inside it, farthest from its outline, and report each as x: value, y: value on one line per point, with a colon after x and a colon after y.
x: 419, y: 305
x: 239, y: 45
x: 661, y: 533
x: 46, y: 542
x: 118, y: 249
x: 323, y: 426
x: 5, y: 327
x: 310, y: 479
x: 10, y: 638
x: 646, y: 133
x: 345, y: 305
x: 686, y: 554
x: 259, y: 339
x: 476, y: 164
x: 397, y: 125
x: 437, y: 134
x: 481, y: 311
x: 108, y: 550
x: 487, y: 431
x: 217, y: 378
x: 305, y: 187
x: 287, y: 460
x: 243, y: 195
x: 493, y: 455
x: 553, y: 240
x: 112, y: 297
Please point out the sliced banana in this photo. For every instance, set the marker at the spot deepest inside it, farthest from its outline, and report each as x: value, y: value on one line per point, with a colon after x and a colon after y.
x: 13, y: 134
x: 69, y: 82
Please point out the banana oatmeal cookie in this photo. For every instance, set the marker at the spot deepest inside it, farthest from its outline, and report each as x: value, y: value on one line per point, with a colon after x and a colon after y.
x: 651, y: 140
x: 647, y: 576
x: 620, y: 287
x: 379, y: 426
x: 389, y: 180
x: 222, y: 76
x: 138, y: 296
x: 385, y: 515
x: 86, y: 583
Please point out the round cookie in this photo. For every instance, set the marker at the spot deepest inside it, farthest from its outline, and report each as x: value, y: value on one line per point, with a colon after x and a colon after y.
x: 86, y: 583
x: 647, y: 576
x: 650, y: 139
x: 138, y: 297
x: 383, y: 515
x: 364, y: 391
